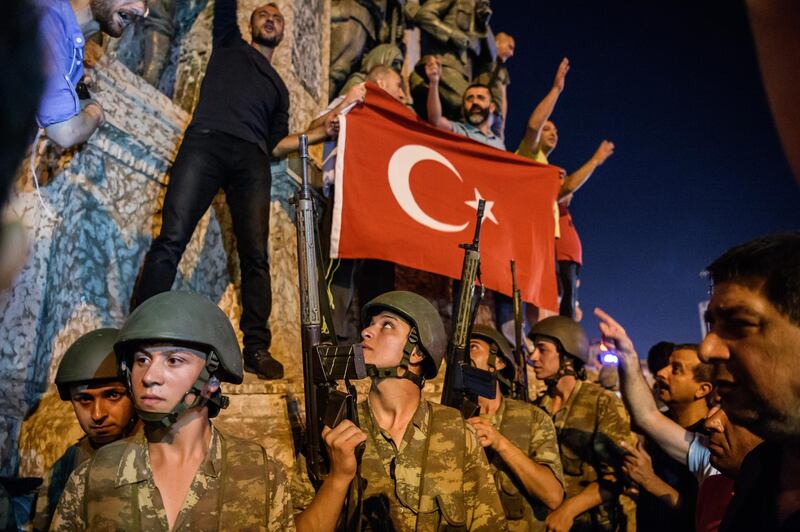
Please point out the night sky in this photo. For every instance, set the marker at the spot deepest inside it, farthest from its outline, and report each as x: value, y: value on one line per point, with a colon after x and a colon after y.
x: 698, y: 165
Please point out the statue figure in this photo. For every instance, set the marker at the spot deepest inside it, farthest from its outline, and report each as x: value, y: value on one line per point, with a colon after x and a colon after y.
x: 457, y: 32
x: 357, y: 26
x: 388, y: 55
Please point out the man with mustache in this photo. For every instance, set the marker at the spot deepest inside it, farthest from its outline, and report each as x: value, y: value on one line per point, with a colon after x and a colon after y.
x: 722, y: 451
x: 753, y: 341
x: 64, y: 26
x: 239, y: 125
x: 87, y: 377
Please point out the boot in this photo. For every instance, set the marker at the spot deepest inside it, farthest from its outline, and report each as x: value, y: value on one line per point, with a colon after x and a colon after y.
x: 263, y: 364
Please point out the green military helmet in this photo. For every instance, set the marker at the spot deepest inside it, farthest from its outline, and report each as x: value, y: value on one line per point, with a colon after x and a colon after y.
x: 90, y: 358
x: 493, y: 336
x: 186, y: 319
x: 421, y: 315
x: 567, y: 332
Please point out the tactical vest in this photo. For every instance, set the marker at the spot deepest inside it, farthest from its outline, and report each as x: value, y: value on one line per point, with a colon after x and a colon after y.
x: 438, y: 499
x: 109, y: 501
x: 517, y: 429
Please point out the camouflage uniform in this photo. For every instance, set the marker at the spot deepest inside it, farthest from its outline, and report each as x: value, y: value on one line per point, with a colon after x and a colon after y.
x: 437, y: 478
x: 590, y: 425
x: 238, y: 487
x: 56, y: 479
x: 530, y: 430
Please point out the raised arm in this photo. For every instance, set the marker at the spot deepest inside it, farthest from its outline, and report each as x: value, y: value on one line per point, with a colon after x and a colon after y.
x: 225, y: 27
x: 433, y: 69
x: 542, y: 112
x: 670, y: 436
x: 575, y: 180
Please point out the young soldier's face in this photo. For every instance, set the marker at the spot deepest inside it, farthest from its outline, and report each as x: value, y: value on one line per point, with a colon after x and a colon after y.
x: 104, y: 412
x: 676, y: 381
x: 756, y: 353
x: 384, y: 338
x: 162, y: 375
x: 545, y: 358
x: 479, y: 353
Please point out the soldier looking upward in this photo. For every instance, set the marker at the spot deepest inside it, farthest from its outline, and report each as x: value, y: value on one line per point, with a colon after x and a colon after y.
x: 423, y: 466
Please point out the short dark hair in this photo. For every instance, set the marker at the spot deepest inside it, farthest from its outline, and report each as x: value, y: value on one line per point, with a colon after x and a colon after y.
x: 658, y: 356
x: 477, y: 86
x: 702, y: 372
x: 773, y: 259
x: 21, y: 84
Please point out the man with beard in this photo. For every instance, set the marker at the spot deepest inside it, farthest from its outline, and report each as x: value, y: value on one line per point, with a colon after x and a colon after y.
x: 64, y: 26
x: 477, y: 106
x: 754, y: 343
x: 240, y: 123
x: 87, y: 377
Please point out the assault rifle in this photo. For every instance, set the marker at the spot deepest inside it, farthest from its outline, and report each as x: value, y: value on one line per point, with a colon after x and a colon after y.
x: 463, y: 382
x: 323, y: 364
x: 521, y: 378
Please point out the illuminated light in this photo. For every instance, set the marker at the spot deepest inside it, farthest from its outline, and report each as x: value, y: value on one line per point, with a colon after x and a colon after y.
x: 609, y: 359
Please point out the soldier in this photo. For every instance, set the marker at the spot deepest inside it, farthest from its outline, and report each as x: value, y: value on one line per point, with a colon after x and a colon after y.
x: 180, y: 472
x: 590, y: 422
x: 519, y: 438
x: 457, y: 34
x: 422, y: 465
x: 87, y: 377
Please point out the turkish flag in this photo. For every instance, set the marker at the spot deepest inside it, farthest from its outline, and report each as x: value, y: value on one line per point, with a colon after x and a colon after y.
x: 407, y: 193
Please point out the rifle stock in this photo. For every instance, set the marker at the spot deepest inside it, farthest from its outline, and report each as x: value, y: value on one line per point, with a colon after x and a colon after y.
x: 463, y: 383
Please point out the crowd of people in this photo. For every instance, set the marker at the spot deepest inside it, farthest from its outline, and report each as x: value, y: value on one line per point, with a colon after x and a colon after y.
x: 713, y: 445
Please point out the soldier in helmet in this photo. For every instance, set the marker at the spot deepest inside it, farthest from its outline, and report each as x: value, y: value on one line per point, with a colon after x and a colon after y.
x: 422, y: 465
x: 180, y: 472
x: 87, y: 377
x: 590, y: 422
x: 519, y: 438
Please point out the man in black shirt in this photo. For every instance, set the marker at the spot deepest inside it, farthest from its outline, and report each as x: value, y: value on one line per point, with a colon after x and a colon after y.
x: 240, y: 122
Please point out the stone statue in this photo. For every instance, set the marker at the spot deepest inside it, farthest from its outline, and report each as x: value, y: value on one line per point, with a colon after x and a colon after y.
x: 388, y: 55
x: 458, y: 33
x: 358, y: 26
x: 158, y: 32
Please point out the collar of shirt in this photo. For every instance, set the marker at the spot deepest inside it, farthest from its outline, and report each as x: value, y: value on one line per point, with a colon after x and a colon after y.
x: 419, y: 421
x: 563, y: 412
x: 135, y: 464
x: 496, y: 419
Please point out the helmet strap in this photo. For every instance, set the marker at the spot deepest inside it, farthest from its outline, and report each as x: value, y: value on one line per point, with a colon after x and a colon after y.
x: 165, y: 420
x: 377, y: 373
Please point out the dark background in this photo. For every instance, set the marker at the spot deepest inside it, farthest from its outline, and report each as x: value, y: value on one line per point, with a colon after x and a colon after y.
x: 698, y: 166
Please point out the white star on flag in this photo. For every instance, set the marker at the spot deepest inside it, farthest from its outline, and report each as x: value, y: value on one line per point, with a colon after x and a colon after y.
x: 487, y: 210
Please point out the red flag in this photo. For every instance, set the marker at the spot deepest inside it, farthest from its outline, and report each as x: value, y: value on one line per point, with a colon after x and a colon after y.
x: 407, y: 192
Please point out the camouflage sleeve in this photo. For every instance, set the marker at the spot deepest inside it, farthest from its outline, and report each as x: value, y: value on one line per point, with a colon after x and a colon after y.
x: 281, y: 515
x: 301, y: 488
x: 544, y: 444
x: 484, y: 510
x: 69, y: 512
x: 613, y: 427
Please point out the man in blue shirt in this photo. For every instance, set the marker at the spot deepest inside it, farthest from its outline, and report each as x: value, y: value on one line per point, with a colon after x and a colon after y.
x: 63, y: 27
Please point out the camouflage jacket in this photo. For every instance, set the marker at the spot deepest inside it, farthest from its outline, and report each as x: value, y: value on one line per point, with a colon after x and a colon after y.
x: 590, y: 425
x: 531, y: 430
x: 436, y: 478
x: 56, y: 479
x: 238, y: 487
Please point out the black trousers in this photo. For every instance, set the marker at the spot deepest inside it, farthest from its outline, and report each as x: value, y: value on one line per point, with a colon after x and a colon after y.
x: 567, y: 271
x: 207, y: 161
